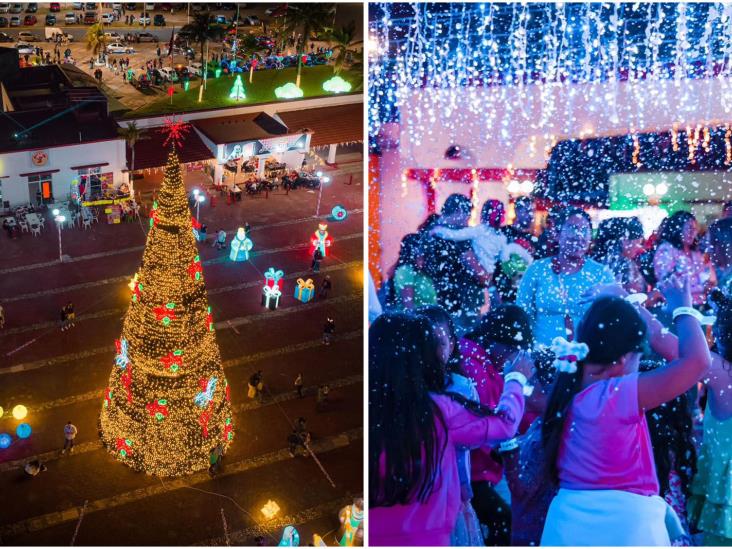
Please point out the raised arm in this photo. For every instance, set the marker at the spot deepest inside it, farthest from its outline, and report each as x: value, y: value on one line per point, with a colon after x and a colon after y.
x: 667, y: 382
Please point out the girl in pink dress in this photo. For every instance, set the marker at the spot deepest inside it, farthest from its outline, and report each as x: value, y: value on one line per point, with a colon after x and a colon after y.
x: 595, y: 433
x: 415, y: 434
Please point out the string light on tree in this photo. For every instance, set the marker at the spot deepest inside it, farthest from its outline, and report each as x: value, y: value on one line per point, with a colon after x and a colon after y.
x: 151, y: 415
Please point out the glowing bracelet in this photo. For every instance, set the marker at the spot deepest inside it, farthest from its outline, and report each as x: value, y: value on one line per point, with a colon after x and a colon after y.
x: 703, y: 320
x: 508, y: 445
x: 526, y: 389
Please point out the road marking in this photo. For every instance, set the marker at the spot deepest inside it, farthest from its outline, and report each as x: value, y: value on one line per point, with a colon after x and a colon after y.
x: 121, y: 311
x: 48, y: 520
x: 131, y: 249
x: 273, y: 528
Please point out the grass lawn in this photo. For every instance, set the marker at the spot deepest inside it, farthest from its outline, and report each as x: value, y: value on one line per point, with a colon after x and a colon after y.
x: 261, y: 90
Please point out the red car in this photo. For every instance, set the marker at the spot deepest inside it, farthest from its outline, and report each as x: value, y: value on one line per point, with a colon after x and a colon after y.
x: 30, y: 20
x: 55, y: 6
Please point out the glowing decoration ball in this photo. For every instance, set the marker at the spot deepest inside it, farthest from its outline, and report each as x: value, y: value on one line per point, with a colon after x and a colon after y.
x: 1, y: 411
x: 20, y: 411
x: 23, y: 430
x: 240, y: 246
x: 5, y: 440
x: 288, y: 91
x: 237, y: 91
x: 217, y: 72
x: 336, y: 85
x: 270, y: 509
x: 339, y: 213
x: 290, y: 537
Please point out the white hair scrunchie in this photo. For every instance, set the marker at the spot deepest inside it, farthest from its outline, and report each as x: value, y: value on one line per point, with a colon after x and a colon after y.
x: 567, y: 354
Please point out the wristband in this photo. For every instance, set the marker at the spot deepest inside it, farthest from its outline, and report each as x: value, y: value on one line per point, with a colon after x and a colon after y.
x: 636, y: 299
x: 508, y: 445
x: 703, y: 320
x: 526, y: 389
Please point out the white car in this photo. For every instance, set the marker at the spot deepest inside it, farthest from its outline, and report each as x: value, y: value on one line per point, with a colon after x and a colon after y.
x: 195, y: 69
x: 107, y: 18
x: 25, y: 48
x: 149, y: 6
x: 250, y: 21
x: 70, y: 18
x: 169, y: 74
x: 117, y: 6
x: 144, y: 19
x: 118, y: 47
x: 113, y: 37
x: 4, y: 8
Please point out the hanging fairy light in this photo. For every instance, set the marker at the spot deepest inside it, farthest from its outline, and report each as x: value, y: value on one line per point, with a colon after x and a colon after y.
x: 727, y: 144
x: 707, y: 139
x: 474, y: 199
x: 675, y: 137
x: 636, y: 151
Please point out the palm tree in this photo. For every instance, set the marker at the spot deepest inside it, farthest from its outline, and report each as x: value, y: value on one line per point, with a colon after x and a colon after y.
x: 342, y: 42
x: 309, y: 20
x: 131, y: 134
x: 95, y: 39
x: 202, y: 31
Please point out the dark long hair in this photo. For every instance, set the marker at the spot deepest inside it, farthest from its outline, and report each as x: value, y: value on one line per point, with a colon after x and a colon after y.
x: 409, y: 250
x: 722, y: 330
x: 611, y: 328
x: 404, y: 446
x: 672, y: 437
x: 493, y: 213
x: 437, y: 315
x: 608, y: 241
x: 674, y: 227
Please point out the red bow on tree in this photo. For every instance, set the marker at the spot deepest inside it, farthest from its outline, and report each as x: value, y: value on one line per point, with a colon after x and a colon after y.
x: 172, y: 361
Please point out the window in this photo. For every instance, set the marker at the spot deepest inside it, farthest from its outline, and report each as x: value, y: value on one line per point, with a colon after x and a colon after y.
x: 90, y: 184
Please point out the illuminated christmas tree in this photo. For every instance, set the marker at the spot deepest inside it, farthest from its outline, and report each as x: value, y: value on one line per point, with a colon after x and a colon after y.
x: 237, y: 90
x: 167, y: 404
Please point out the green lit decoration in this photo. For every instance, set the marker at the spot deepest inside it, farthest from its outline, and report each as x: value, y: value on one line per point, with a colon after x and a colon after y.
x: 336, y: 85
x: 237, y: 91
x: 288, y: 91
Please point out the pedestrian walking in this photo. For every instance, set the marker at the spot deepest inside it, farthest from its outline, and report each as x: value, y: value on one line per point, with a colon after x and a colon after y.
x: 321, y: 401
x: 70, y: 432
x: 70, y: 315
x: 293, y: 442
x: 220, y: 241
x: 2, y: 317
x: 325, y: 287
x: 301, y: 425
x: 298, y: 385
x: 317, y: 258
x: 256, y: 385
x: 328, y: 330
x: 158, y: 52
x: 64, y: 318
x: 216, y: 457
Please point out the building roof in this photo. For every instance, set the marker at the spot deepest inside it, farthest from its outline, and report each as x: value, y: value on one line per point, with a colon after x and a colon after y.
x: 151, y: 152
x: 329, y: 125
x: 243, y: 127
x: 55, y: 128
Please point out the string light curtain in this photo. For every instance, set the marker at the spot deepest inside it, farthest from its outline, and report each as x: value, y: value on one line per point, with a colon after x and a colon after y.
x: 473, y: 46
x: 168, y: 402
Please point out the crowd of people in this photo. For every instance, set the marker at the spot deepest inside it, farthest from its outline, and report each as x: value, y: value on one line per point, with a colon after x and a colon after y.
x: 555, y: 387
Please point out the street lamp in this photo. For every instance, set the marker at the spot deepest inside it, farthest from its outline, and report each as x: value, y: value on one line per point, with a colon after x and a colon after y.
x: 323, y: 181
x: 200, y: 199
x: 59, y: 221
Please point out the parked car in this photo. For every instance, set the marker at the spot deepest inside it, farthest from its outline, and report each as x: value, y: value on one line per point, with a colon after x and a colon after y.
x: 4, y: 8
x: 277, y: 11
x: 77, y: 6
x: 169, y: 74
x: 165, y: 7
x: 90, y: 18
x: 149, y: 6
x: 30, y: 20
x: 250, y: 21
x: 130, y: 6
x: 25, y: 36
x: 52, y: 33
x: 50, y: 19
x: 70, y: 18
x: 4, y: 22
x: 220, y: 19
x: 55, y: 7
x: 25, y: 49
x: 113, y: 37
x: 31, y: 8
x: 15, y: 21
x: 146, y: 37
x: 159, y: 20
x: 119, y: 47
x: 195, y: 69
x: 5, y: 37
x: 144, y: 19
x: 107, y: 18
x: 117, y: 6
x: 90, y: 6
x: 196, y: 7
x: 16, y: 8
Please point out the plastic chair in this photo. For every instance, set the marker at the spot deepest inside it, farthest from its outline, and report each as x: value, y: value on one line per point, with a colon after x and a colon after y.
x: 35, y: 230
x: 42, y: 221
x: 87, y: 223
x: 24, y: 226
